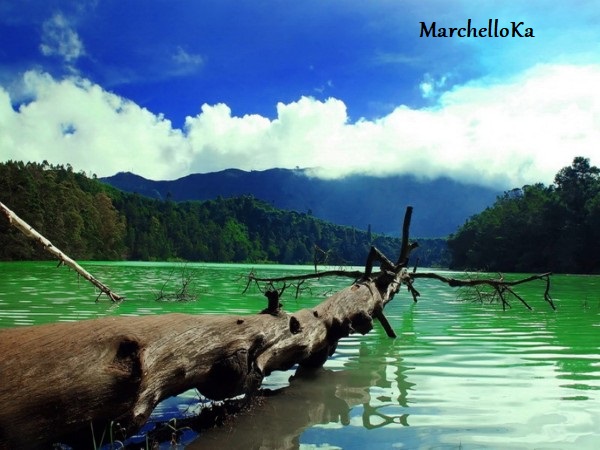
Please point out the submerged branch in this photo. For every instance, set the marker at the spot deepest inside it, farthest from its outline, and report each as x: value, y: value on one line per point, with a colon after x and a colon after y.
x: 499, y: 285
x: 183, y: 294
x: 31, y: 233
x: 355, y: 274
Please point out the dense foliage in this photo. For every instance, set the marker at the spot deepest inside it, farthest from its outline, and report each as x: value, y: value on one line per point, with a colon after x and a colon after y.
x: 537, y: 228
x: 88, y: 219
x: 74, y: 212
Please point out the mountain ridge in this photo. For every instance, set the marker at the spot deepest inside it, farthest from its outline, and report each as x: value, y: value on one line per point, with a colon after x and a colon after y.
x: 362, y: 201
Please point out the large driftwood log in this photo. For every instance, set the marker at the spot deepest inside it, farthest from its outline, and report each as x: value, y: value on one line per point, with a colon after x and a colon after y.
x: 67, y: 378
x: 59, y: 378
x: 61, y: 381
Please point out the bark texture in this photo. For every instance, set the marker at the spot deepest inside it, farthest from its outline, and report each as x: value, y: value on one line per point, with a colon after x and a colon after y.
x: 59, y: 378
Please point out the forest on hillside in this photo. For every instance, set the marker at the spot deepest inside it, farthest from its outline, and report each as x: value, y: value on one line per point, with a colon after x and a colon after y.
x: 537, y: 228
x: 90, y: 220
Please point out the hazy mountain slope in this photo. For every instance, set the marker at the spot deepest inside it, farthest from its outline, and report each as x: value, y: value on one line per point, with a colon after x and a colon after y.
x: 441, y: 205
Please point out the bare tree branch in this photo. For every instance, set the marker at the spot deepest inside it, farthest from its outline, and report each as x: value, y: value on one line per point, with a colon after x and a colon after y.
x: 500, y: 285
x: 31, y: 233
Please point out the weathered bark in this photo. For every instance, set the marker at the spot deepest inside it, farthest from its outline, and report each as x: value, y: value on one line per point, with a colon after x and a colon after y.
x: 31, y: 233
x: 58, y: 378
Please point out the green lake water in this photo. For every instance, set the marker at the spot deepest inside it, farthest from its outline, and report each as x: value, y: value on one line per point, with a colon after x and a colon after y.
x: 460, y: 375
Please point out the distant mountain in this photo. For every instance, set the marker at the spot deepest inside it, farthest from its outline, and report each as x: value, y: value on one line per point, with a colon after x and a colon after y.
x: 440, y: 205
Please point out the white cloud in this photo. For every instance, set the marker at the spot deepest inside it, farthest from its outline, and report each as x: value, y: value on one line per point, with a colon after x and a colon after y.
x: 430, y: 87
x: 77, y: 122
x: 58, y: 38
x: 187, y: 59
x: 502, y: 134
x: 182, y: 63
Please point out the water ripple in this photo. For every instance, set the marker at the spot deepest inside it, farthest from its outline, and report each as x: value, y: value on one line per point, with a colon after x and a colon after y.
x: 459, y: 375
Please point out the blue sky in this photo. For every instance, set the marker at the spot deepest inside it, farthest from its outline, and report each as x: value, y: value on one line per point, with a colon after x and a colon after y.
x: 167, y: 88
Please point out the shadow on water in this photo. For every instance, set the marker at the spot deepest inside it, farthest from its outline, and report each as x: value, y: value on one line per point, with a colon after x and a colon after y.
x: 314, y: 398
x: 370, y: 391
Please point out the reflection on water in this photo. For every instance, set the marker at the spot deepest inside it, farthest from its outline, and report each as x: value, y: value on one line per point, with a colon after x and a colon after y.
x: 459, y: 375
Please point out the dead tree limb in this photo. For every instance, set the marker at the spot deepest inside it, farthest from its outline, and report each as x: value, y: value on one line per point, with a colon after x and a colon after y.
x: 355, y: 274
x: 182, y: 294
x: 500, y: 285
x: 31, y: 233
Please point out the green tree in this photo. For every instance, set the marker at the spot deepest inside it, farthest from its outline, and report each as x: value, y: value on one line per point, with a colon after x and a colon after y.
x: 536, y: 228
x: 576, y: 185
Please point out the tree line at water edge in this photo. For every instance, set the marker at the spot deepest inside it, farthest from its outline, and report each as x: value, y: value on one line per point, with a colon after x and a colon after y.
x: 90, y: 220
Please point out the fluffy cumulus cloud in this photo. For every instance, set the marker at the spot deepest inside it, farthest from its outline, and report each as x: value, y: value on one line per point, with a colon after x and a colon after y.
x: 74, y: 121
x: 502, y: 134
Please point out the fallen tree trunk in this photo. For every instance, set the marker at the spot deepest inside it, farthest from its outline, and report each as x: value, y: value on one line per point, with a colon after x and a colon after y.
x: 62, y: 382
x: 59, y: 378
